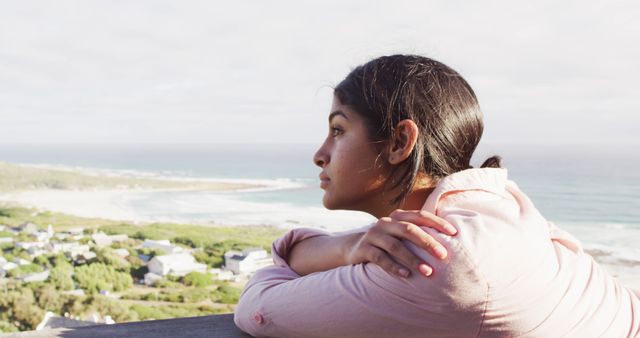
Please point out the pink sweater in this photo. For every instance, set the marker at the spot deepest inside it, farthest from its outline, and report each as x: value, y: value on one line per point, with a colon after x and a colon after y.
x: 508, y: 273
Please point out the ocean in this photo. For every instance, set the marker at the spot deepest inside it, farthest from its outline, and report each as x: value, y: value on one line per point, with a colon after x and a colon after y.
x: 592, y: 191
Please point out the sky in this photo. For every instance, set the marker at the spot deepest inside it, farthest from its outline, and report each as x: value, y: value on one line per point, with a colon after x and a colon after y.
x: 153, y: 71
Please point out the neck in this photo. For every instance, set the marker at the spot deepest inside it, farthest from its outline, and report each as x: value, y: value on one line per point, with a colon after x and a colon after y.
x: 413, y: 201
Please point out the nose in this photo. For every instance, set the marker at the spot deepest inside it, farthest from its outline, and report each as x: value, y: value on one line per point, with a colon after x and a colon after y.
x: 321, y: 157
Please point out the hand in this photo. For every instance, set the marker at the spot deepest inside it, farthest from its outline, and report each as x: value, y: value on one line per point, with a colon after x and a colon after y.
x: 384, y: 241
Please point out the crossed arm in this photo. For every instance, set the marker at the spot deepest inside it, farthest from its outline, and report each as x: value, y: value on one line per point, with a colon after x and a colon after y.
x: 380, y: 244
x: 339, y: 296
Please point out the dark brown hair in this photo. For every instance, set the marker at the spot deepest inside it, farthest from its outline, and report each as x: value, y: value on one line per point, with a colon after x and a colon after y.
x: 389, y: 89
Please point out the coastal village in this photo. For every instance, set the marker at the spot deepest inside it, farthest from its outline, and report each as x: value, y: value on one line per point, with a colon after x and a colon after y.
x: 86, y: 262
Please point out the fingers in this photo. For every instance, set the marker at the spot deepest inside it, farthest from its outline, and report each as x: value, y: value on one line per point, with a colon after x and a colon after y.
x: 424, y: 218
x: 421, y: 238
x: 412, y: 233
x: 382, y: 259
x: 400, y: 253
x: 385, y: 247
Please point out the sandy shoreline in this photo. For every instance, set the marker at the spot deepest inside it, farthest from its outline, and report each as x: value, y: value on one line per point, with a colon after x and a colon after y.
x: 89, y: 204
x: 123, y: 204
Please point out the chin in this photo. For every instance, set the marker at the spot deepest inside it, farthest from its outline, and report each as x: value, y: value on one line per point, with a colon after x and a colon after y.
x: 328, y: 203
x: 332, y: 204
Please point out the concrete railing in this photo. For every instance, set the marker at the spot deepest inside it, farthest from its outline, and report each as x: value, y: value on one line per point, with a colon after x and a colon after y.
x: 206, y: 326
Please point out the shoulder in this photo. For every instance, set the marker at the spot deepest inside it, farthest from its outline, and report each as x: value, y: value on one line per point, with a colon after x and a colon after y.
x: 500, y: 233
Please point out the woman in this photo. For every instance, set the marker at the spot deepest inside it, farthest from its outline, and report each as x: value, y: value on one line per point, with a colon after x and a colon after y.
x: 402, y: 130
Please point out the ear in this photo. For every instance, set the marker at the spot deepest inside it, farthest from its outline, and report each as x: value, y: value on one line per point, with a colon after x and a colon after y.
x: 403, y: 141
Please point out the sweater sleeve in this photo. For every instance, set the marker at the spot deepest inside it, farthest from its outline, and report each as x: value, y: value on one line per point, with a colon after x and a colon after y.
x: 359, y: 300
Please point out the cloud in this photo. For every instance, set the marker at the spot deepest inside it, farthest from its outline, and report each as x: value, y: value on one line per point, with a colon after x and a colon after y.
x: 77, y: 71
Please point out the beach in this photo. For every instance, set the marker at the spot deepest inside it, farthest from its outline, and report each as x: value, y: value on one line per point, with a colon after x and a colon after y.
x: 213, y: 186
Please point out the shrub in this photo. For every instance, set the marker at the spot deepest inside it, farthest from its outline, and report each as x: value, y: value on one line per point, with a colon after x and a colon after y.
x: 197, y: 279
x: 227, y: 294
x: 98, y: 276
x: 118, y: 311
x: 7, y: 327
x: 60, y: 277
x: 48, y: 298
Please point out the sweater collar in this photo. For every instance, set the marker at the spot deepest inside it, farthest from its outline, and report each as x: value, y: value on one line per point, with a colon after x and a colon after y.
x: 487, y: 179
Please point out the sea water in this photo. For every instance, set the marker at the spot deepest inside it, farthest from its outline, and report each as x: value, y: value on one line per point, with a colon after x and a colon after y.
x: 593, y: 191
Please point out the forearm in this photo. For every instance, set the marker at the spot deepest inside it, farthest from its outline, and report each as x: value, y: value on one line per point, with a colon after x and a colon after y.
x: 320, y: 253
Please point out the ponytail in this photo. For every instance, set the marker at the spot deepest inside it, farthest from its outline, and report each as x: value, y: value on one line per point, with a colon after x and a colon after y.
x: 492, y: 162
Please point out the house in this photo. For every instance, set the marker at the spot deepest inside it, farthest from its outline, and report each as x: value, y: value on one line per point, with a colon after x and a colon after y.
x: 35, y: 277
x: 225, y: 275
x: 144, y: 258
x: 178, y: 264
x: 41, y: 236
x: 151, y: 278
x: 74, y: 251
x: 64, y: 247
x: 21, y: 261
x: 76, y: 233
x: 101, y: 239
x: 8, y: 266
x: 122, y: 252
x: 29, y: 245
x: 35, y: 252
x: 119, y: 238
x: 247, y: 261
x: 162, y: 245
x: 27, y: 228
x: 85, y: 257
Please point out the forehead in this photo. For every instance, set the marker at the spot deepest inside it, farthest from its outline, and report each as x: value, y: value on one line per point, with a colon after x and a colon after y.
x: 339, y: 109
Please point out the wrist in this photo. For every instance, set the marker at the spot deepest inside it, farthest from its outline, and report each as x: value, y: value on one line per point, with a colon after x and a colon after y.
x: 348, y: 242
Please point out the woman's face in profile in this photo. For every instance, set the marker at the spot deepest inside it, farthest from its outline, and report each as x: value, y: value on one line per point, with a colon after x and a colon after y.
x: 353, y: 173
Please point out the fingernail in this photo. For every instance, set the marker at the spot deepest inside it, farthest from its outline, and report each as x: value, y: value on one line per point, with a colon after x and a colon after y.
x: 452, y: 230
x: 441, y: 252
x: 403, y: 272
x: 425, y: 269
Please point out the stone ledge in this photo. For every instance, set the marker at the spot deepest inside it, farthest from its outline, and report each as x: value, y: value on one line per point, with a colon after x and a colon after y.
x: 206, y: 326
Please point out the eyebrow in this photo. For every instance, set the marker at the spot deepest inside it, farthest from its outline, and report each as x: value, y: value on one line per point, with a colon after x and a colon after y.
x: 337, y: 112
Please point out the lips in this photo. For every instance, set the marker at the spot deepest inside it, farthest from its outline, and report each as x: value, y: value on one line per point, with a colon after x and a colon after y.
x: 324, y: 180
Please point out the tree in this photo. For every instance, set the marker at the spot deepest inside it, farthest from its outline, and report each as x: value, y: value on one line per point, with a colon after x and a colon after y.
x: 72, y: 304
x: 24, y: 312
x: 43, y: 261
x: 48, y: 298
x: 60, y: 278
x: 7, y: 327
x: 98, y: 276
x: 197, y: 279
x: 108, y: 257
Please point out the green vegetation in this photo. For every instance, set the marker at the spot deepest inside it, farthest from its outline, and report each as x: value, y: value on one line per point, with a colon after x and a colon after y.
x: 16, y: 178
x: 23, y: 306
x: 98, y: 277
x: 25, y: 269
x: 15, y: 215
x: 146, y: 312
x: 198, y: 279
x: 216, y: 240
x: 227, y: 294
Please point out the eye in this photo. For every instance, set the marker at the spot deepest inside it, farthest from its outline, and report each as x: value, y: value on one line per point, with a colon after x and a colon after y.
x: 336, y: 130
